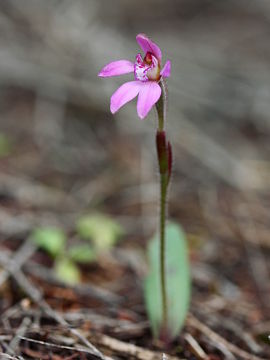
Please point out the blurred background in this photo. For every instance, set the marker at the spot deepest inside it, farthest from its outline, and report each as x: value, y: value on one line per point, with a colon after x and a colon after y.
x: 63, y: 153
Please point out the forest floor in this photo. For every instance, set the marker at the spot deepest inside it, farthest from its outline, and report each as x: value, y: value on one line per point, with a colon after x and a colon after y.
x: 103, y: 316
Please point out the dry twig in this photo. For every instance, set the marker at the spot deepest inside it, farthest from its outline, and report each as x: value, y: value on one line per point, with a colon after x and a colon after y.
x: 218, y: 339
x: 130, y: 350
x: 36, y: 296
x: 195, y: 347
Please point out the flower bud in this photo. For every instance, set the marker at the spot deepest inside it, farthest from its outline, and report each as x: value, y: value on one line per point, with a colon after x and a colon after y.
x: 170, y: 160
x: 162, y: 151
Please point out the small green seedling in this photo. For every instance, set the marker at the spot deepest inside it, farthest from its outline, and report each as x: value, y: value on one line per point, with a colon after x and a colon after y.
x: 82, y: 254
x: 66, y: 259
x: 50, y: 239
x: 101, y: 230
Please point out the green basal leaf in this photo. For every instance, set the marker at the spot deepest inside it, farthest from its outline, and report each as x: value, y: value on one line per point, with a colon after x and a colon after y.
x: 177, y: 279
x: 50, y: 239
x: 83, y: 254
x: 100, y: 229
x: 67, y: 271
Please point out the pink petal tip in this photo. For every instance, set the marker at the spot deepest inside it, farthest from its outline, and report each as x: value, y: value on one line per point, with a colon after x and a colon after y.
x: 166, y: 71
x: 149, y: 94
x: 116, y: 68
x: 124, y: 94
x: 148, y: 45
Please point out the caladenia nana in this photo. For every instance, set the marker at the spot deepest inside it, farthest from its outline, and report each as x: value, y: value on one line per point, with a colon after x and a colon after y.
x: 167, y: 286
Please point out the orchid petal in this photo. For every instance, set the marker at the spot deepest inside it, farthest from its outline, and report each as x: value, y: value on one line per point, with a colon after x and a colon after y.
x: 116, y: 68
x: 148, y: 45
x: 166, y: 71
x: 149, y: 94
x: 124, y: 94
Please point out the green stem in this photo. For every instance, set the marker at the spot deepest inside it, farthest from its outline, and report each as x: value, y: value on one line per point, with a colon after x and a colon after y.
x: 161, y: 109
x: 162, y: 106
x: 163, y: 194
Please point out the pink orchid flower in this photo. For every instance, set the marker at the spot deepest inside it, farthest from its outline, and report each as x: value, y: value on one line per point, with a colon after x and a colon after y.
x: 147, y: 72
